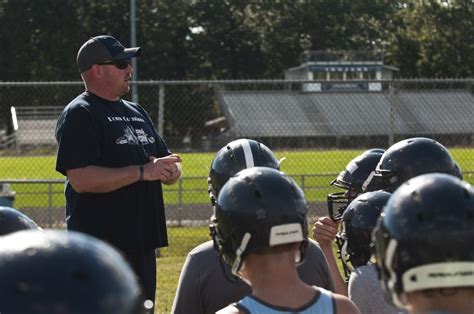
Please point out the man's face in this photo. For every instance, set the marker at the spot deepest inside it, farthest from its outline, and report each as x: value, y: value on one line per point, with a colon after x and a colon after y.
x: 118, y: 80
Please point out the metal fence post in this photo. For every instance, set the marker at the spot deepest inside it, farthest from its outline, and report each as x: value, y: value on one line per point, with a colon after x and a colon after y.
x: 391, y: 131
x: 180, y: 200
x: 50, y: 205
x: 161, y: 108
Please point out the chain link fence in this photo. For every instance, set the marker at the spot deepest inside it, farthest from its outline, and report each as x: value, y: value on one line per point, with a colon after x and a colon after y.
x: 317, y: 125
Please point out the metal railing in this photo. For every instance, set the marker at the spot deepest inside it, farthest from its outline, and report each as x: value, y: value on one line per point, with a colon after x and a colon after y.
x: 42, y: 204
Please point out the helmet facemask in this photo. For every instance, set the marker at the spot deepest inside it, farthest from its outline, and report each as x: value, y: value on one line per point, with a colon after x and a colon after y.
x: 337, y: 203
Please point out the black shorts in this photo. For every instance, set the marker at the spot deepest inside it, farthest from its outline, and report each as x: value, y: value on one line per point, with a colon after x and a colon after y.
x: 144, y: 266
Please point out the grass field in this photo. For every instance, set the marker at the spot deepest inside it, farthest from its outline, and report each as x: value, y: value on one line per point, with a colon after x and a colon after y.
x: 317, y: 167
x: 195, y: 168
x: 171, y: 260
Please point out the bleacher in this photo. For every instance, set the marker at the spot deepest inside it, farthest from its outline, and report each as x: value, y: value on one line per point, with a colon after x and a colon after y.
x: 35, y: 125
x: 290, y: 114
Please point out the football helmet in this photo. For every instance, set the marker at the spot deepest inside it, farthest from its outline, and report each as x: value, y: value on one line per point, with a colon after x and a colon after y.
x: 352, y: 180
x: 64, y: 272
x: 358, y: 221
x: 11, y: 220
x: 235, y: 156
x: 424, y: 237
x: 410, y: 158
x: 375, y: 150
x: 458, y: 171
x: 258, y: 208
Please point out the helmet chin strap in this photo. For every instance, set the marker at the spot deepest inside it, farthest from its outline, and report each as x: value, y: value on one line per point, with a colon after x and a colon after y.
x: 343, y: 259
x: 298, y: 257
x: 238, y: 253
x: 281, y: 160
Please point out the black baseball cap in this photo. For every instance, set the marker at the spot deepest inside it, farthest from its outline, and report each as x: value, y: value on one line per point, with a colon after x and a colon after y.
x: 101, y: 49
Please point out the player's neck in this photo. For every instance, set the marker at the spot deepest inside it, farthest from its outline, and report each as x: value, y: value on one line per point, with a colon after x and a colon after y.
x: 288, y: 294
x: 278, y: 283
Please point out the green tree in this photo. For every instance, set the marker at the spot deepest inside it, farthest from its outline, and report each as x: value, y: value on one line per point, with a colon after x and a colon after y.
x: 436, y: 39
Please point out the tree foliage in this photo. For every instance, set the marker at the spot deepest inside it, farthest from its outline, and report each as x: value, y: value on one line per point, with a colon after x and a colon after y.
x: 233, y: 39
x: 236, y: 39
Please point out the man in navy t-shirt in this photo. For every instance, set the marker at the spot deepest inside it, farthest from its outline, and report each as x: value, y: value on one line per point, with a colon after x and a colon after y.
x: 115, y: 161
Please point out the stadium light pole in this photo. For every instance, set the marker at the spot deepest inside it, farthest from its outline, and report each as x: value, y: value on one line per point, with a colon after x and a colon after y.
x: 133, y: 43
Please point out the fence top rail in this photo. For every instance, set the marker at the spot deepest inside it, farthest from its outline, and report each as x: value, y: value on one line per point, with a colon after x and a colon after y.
x: 27, y: 111
x: 30, y: 181
x: 39, y: 108
x: 263, y: 81
x: 42, y: 181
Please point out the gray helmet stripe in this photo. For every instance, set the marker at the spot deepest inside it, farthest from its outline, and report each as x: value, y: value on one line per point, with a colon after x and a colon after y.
x: 249, y: 162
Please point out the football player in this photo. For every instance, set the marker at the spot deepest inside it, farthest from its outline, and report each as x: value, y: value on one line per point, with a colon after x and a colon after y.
x: 262, y: 237
x: 354, y: 242
x: 423, y: 245
x: 325, y: 229
x: 206, y: 283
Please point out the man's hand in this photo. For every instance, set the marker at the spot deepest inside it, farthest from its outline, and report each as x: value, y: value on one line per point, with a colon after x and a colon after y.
x: 324, y: 231
x: 166, y: 169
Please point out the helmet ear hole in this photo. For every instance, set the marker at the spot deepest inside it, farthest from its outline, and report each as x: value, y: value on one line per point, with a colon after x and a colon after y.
x: 469, y: 215
x: 420, y: 217
x: 79, y: 275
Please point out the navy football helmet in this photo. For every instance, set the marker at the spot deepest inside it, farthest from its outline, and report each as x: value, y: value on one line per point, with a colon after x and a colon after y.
x: 458, y: 171
x: 235, y: 156
x: 64, y: 272
x: 358, y: 221
x: 256, y: 209
x: 375, y: 150
x: 410, y: 158
x: 424, y: 237
x: 11, y: 220
x: 352, y: 180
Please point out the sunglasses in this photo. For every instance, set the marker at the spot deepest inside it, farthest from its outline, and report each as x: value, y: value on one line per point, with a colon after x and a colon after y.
x: 120, y: 64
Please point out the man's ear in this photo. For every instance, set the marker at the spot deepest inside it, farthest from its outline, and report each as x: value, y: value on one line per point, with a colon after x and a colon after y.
x: 96, y: 70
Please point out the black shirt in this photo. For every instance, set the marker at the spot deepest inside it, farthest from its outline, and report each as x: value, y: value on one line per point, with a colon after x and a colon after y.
x: 95, y: 131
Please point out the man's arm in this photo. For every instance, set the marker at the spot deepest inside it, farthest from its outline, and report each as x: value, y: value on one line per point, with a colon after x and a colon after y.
x: 324, y: 232
x: 96, y: 179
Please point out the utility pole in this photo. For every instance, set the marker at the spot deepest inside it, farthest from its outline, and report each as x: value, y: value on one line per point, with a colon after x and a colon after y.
x: 133, y: 43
